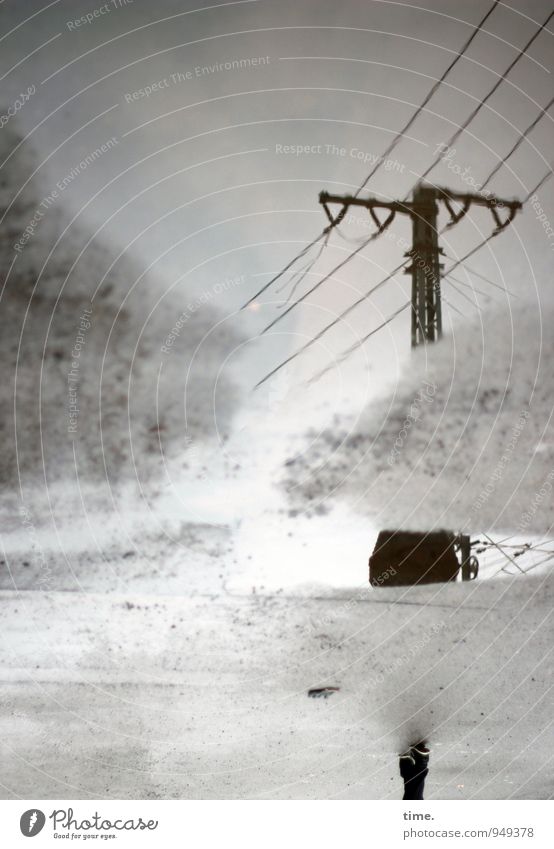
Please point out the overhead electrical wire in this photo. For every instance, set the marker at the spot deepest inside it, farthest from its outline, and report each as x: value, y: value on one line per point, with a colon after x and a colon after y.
x: 470, y: 286
x: 487, y: 97
x: 353, y: 306
x: 474, y: 304
x: 343, y: 356
x: 303, y: 272
x: 335, y: 321
x: 538, y: 563
x: 524, y: 548
x: 320, y: 282
x: 457, y: 263
x: 452, y: 307
x: 515, y: 146
x: 446, y: 275
x: 329, y: 326
x: 274, y: 279
x: 452, y: 268
x: 520, y: 140
x: 481, y: 277
x: 539, y: 185
x: 497, y: 545
x: 506, y: 561
x: 437, y: 159
x: 427, y: 98
x: 496, y: 232
x: 387, y: 152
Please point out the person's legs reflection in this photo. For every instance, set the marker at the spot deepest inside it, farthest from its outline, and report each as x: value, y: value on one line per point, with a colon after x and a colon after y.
x: 414, y: 770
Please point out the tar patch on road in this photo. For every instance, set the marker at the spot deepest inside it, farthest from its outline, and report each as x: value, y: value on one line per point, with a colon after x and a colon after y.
x: 322, y: 692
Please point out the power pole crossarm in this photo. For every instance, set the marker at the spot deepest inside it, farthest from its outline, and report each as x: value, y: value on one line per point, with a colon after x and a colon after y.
x: 466, y: 200
x: 490, y: 202
x: 370, y: 204
x: 350, y: 200
x: 425, y: 268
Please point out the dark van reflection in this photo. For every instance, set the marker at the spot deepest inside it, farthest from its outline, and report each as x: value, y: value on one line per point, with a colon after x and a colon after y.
x: 405, y: 558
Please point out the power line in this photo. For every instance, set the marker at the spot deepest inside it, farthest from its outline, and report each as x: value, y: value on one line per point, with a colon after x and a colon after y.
x: 482, y: 277
x: 304, y: 271
x: 437, y: 159
x: 502, y: 162
x: 463, y: 295
x: 362, y: 341
x: 470, y: 253
x: 346, y: 312
x: 298, y: 256
x: 527, y: 569
x: 538, y: 563
x: 457, y: 263
x: 469, y: 286
x: 452, y: 307
x: 427, y: 98
x: 329, y: 326
x: 387, y: 152
x: 487, y: 97
x: 520, y: 140
x: 375, y: 235
x: 496, y: 545
x: 367, y: 295
x: 496, y: 232
x: 326, y: 277
x: 539, y: 185
x: 512, y: 150
x: 319, y: 283
x: 520, y: 550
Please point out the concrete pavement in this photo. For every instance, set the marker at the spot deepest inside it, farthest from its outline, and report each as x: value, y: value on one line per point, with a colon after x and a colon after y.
x: 157, y: 696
